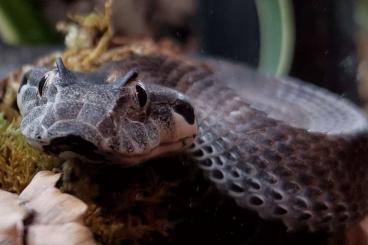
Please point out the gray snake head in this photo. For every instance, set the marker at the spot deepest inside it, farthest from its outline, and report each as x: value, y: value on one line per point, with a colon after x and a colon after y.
x: 78, y: 115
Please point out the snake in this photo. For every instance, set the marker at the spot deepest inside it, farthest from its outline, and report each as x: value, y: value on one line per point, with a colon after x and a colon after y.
x: 290, y: 151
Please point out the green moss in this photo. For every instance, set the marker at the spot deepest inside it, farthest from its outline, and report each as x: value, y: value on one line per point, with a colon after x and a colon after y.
x: 125, y: 205
x: 18, y: 161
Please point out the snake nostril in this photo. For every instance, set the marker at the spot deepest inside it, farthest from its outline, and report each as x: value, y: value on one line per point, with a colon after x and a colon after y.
x: 186, y: 110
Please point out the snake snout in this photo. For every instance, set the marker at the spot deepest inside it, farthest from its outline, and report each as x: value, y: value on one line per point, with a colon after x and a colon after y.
x: 28, y: 90
x: 185, y: 121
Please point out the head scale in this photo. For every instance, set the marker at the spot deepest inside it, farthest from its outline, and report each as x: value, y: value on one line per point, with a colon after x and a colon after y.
x: 81, y: 115
x: 66, y: 77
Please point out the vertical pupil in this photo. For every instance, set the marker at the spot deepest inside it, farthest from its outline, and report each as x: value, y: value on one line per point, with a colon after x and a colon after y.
x: 41, y: 84
x: 142, y: 95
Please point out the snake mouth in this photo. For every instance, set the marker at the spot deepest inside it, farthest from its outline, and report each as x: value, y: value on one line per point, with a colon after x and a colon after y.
x: 161, y: 150
x: 75, y: 147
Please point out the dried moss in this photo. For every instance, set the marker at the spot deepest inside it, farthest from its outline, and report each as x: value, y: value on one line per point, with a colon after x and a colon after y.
x: 18, y: 161
x: 84, y: 41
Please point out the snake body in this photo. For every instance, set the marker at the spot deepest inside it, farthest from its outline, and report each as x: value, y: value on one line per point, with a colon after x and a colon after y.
x: 287, y: 150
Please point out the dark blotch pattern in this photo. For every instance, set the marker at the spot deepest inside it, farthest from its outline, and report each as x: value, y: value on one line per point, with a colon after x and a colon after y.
x: 281, y: 172
x: 186, y: 110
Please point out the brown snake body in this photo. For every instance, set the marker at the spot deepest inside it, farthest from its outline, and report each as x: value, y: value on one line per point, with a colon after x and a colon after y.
x: 287, y: 150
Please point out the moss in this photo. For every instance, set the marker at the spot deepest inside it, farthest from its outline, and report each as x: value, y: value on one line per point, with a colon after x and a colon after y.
x: 125, y: 205
x: 18, y: 161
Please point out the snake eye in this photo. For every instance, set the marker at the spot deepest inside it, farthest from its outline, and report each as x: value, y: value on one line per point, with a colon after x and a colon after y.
x: 141, y: 94
x: 41, y: 85
x: 24, y: 80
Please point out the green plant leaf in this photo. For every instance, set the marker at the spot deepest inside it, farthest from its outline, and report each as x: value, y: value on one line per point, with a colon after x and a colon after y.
x: 21, y: 23
x: 277, y: 36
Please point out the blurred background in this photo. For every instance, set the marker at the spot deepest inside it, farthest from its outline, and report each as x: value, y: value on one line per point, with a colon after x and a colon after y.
x: 321, y: 41
x: 324, y: 42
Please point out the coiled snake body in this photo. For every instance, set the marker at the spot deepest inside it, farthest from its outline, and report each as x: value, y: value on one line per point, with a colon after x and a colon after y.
x: 289, y: 151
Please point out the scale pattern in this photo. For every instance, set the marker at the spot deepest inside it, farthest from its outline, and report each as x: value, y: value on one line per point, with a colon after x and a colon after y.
x: 314, y: 180
x: 306, y: 167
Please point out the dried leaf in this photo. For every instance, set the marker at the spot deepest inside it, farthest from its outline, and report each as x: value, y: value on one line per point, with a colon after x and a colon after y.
x: 12, y: 216
x: 39, y: 183
x: 71, y: 233
x: 53, y: 207
x: 48, y: 215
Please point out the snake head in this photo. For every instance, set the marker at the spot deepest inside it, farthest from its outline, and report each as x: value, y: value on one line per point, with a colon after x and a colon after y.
x: 82, y: 115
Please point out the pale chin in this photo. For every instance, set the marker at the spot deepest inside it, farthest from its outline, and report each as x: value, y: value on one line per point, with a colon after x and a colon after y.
x: 162, y: 150
x: 183, y: 128
x: 170, y: 143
